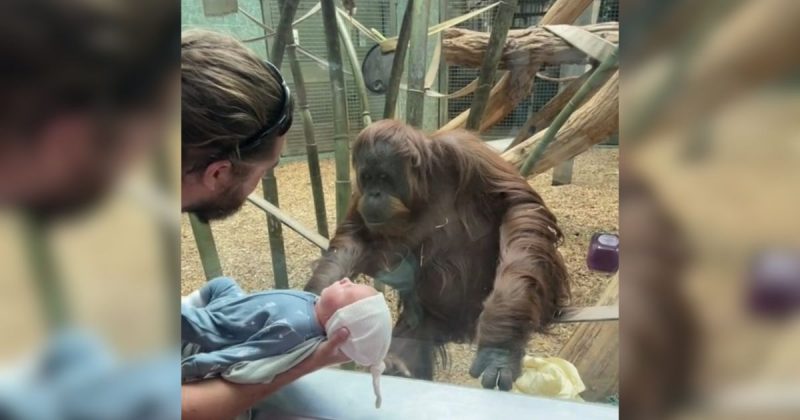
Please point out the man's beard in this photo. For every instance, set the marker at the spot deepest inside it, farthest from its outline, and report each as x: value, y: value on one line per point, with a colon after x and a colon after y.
x: 221, y: 207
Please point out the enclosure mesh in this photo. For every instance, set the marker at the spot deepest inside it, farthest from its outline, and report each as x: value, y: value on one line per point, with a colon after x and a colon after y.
x: 381, y: 15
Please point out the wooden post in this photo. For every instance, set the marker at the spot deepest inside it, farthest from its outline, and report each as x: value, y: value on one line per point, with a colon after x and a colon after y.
x: 399, y: 62
x: 206, y: 247
x: 562, y: 174
x: 311, y: 145
x: 497, y: 41
x: 270, y: 183
x: 340, y: 123
x: 355, y: 66
x: 594, y: 350
x: 418, y: 45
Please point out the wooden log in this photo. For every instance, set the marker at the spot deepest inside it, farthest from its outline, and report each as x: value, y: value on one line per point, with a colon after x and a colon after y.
x: 592, y: 123
x: 515, y: 86
x: 534, y: 46
x: 594, y: 350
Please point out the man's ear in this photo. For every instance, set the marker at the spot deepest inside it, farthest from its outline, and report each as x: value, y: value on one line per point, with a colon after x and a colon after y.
x: 218, y: 175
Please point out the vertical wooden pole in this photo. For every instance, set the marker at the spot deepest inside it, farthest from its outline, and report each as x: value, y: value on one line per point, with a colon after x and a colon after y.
x: 170, y: 239
x: 340, y: 123
x: 48, y: 282
x: 562, y: 174
x: 399, y: 62
x: 270, y: 183
x: 206, y: 247
x: 355, y: 67
x: 311, y: 145
x: 497, y: 41
x: 418, y: 57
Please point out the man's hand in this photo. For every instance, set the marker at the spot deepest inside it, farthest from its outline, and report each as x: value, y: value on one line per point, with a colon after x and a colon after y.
x: 497, y: 367
x: 214, y: 399
x: 328, y: 352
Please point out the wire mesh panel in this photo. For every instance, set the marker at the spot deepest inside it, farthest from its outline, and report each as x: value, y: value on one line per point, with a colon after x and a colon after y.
x: 373, y: 14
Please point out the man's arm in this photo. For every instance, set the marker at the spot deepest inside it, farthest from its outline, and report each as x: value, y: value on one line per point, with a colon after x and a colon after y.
x: 219, y: 399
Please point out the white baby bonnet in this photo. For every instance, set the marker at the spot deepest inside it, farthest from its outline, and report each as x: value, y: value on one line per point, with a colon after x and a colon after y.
x: 370, y: 324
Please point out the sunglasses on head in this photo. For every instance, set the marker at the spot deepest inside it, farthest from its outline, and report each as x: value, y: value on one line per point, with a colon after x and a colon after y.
x: 278, y: 128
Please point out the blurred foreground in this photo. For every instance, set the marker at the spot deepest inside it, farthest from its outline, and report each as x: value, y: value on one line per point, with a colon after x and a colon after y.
x: 710, y: 194
x: 89, y: 209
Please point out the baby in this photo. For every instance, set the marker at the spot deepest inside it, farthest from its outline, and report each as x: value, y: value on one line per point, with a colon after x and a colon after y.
x: 250, y: 338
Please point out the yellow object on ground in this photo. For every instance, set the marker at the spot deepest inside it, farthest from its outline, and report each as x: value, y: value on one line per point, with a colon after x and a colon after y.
x: 549, y: 377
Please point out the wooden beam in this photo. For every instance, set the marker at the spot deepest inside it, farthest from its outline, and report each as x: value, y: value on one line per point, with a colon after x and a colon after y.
x: 523, y: 49
x: 293, y: 224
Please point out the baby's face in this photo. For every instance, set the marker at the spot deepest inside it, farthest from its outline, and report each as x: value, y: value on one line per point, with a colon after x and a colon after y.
x: 339, y: 295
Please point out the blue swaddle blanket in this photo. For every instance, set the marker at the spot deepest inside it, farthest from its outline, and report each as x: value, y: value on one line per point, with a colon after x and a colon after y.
x: 246, y: 338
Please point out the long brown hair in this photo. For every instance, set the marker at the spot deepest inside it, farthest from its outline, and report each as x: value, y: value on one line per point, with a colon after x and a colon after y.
x: 227, y: 95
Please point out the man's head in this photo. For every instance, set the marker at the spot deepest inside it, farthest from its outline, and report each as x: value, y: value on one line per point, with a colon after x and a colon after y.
x: 85, y: 92
x: 235, y: 111
x: 338, y: 295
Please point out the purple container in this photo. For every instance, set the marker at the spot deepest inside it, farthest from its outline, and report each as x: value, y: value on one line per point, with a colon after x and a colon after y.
x: 774, y: 284
x: 603, y: 253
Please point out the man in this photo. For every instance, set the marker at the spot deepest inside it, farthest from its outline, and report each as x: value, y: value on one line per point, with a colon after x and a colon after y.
x: 85, y: 93
x: 235, y: 112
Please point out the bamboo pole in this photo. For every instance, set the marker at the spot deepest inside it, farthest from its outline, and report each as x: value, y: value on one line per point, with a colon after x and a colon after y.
x: 311, y: 145
x: 497, y: 41
x: 599, y: 76
x: 340, y: 123
x: 398, y: 64
x: 206, y: 247
x: 270, y: 183
x: 43, y: 265
x: 418, y: 57
x: 355, y: 65
x: 170, y: 236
